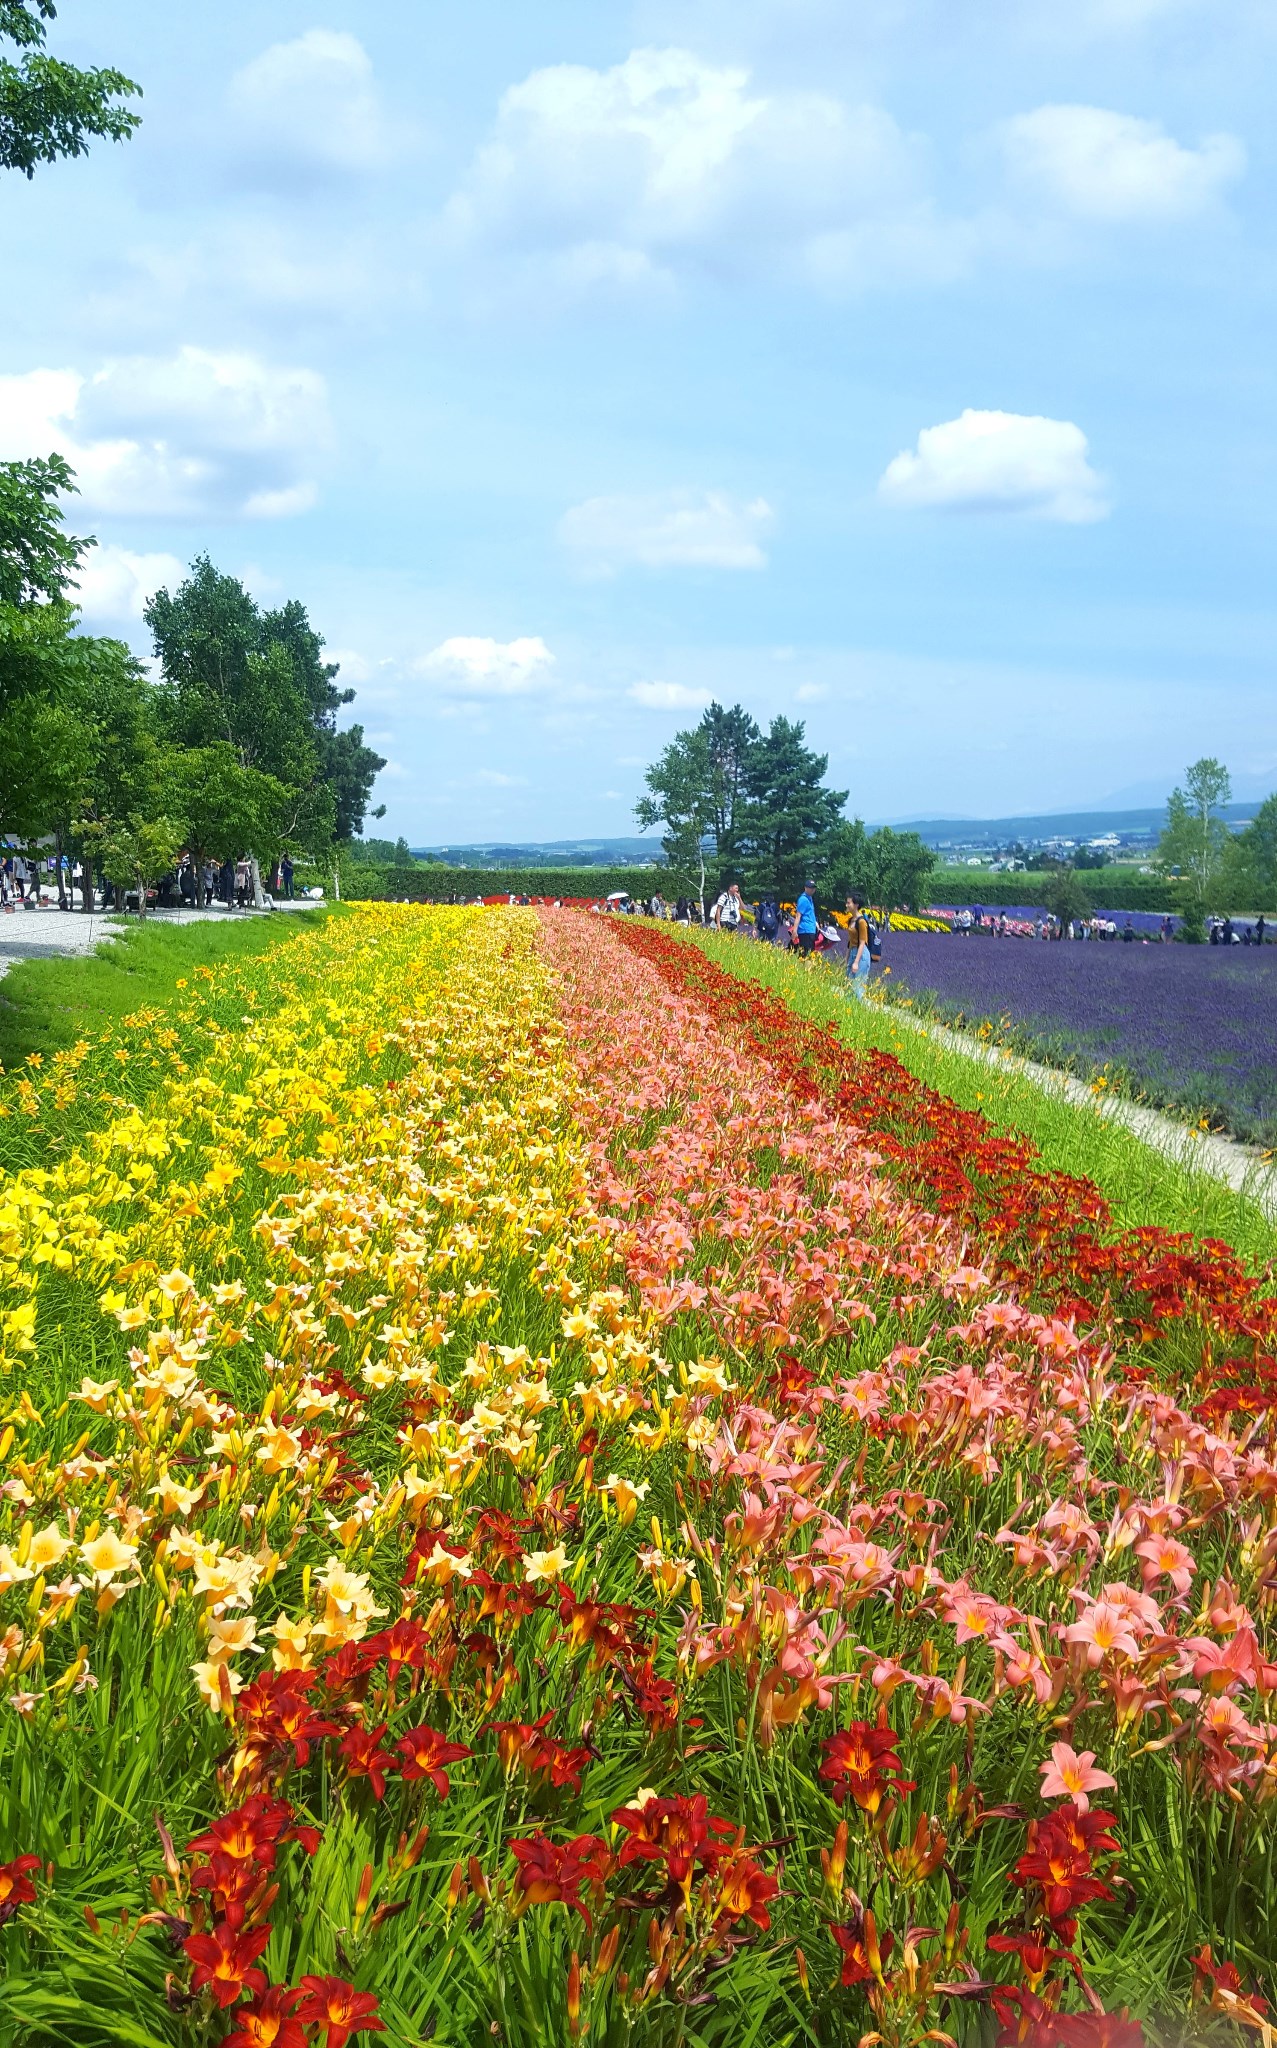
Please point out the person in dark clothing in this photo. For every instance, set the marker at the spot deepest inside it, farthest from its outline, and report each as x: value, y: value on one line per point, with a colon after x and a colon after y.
x: 286, y: 876
x: 226, y: 884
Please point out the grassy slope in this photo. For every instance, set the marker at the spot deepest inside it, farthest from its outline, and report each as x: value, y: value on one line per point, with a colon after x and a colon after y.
x: 1142, y: 1185
x: 47, y: 1005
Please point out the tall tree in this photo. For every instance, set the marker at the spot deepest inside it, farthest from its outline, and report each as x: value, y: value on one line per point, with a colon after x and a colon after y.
x: 258, y: 684
x: 1252, y: 865
x: 891, y: 869
x: 732, y: 739
x: 49, y: 109
x: 1196, y: 838
x: 788, y: 823
x: 681, y: 797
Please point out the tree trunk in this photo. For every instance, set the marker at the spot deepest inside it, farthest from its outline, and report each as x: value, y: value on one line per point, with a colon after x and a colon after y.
x: 141, y: 895
x: 336, y: 885
x: 86, y: 883
x: 57, y: 849
x: 259, y: 899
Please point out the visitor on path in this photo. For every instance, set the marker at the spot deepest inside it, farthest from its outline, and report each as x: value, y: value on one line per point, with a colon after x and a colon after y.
x: 726, y: 914
x: 805, y: 927
x: 286, y: 877
x: 1128, y: 932
x: 767, y: 919
x: 859, y: 953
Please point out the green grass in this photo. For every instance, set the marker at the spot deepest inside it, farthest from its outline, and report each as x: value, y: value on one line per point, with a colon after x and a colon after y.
x: 1143, y: 1186
x: 48, y: 1005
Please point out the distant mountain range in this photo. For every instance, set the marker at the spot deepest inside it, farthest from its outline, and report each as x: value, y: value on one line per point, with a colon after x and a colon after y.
x: 1140, y: 821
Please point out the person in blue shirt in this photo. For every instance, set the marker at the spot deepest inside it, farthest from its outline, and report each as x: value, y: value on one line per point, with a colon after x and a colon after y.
x: 805, y: 918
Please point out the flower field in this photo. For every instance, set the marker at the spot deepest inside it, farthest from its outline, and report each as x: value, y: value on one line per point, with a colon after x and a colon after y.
x: 1191, y: 1026
x: 543, y: 1498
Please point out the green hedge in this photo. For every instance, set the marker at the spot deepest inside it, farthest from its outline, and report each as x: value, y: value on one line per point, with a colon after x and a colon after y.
x: 1111, y: 888
x: 451, y: 885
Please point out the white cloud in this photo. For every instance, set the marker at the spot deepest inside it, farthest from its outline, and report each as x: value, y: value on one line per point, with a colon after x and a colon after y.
x: 115, y: 584
x: 309, y: 105
x: 999, y: 462
x: 672, y: 529
x: 496, y: 780
x: 191, y: 435
x: 489, y: 668
x: 811, y: 693
x: 1115, y: 167
x: 668, y: 160
x: 669, y: 696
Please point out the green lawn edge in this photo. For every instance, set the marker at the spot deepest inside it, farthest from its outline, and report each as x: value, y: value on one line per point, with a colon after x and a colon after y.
x: 1142, y: 1185
x: 48, y: 1005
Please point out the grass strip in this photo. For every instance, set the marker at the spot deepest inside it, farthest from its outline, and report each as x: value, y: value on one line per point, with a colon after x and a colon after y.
x: 46, y: 1006
x: 1143, y: 1186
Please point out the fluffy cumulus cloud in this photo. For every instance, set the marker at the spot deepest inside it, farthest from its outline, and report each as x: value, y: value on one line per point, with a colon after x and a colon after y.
x: 114, y: 583
x: 673, y: 529
x: 669, y: 161
x: 1105, y: 166
x: 193, y: 435
x: 475, y: 667
x: 669, y: 696
x: 999, y: 462
x: 308, y: 107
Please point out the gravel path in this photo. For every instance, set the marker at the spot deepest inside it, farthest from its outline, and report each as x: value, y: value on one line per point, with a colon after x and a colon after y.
x: 1222, y: 1158
x: 53, y: 934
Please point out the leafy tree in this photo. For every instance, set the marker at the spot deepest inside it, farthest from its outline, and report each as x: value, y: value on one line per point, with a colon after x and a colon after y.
x: 49, y: 109
x: 222, y: 808
x: 38, y: 562
x: 135, y: 851
x: 731, y: 742
x: 258, y: 683
x: 1251, y: 870
x: 891, y: 869
x: 788, y: 823
x: 681, y: 791
x: 1196, y: 838
x: 1066, y: 897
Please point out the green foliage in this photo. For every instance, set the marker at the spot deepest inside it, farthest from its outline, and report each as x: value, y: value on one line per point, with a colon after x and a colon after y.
x: 1196, y: 839
x: 1251, y: 869
x: 1119, y: 888
x: 38, y: 561
x: 890, y: 869
x: 431, y: 881
x: 788, y: 827
x: 135, y: 851
x: 49, y: 109
x: 223, y: 809
x: 1066, y: 898
x: 257, y: 682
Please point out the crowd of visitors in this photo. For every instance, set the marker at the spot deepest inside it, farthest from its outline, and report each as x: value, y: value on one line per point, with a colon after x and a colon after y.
x: 32, y: 884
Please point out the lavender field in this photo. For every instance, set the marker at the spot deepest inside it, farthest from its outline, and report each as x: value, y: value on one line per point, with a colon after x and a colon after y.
x: 1190, y: 1026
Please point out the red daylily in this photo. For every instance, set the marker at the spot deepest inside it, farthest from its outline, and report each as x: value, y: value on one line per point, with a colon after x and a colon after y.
x: 425, y: 1752
x: 335, y: 2006
x: 269, y: 2022
x: 224, y: 1961
x: 365, y: 1758
x: 16, y: 1888
x: 552, y: 1873
x: 864, y: 1761
x: 676, y: 1832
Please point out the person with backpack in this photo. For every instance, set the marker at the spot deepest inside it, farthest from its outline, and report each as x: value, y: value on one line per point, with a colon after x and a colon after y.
x: 864, y: 946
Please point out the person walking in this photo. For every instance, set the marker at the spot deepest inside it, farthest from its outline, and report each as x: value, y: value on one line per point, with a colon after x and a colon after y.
x: 286, y: 876
x: 805, y: 927
x: 859, y: 947
x: 726, y: 914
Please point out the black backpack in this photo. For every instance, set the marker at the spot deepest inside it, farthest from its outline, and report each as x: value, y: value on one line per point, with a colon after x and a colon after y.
x: 874, y: 930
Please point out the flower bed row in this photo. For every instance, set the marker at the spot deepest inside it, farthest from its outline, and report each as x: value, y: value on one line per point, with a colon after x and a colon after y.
x: 516, y: 1518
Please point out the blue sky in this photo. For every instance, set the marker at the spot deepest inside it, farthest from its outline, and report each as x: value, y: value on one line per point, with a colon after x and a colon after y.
x: 903, y: 367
